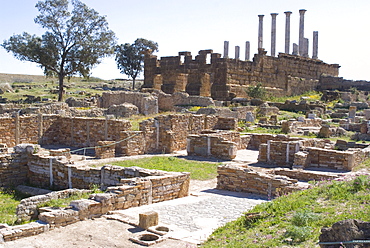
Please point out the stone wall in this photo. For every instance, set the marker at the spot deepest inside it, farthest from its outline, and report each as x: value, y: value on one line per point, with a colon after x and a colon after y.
x: 292, y: 126
x: 146, y: 103
x: 222, y: 145
x: 168, y: 133
x: 13, y: 168
x: 224, y: 79
x: 333, y: 82
x: 337, y: 160
x: 280, y: 153
x: 27, y: 209
x: 58, y: 130
x: 57, y: 172
x: 168, y: 102
x: 241, y: 179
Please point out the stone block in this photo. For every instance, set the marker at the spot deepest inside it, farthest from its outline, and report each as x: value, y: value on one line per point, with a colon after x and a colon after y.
x: 148, y: 219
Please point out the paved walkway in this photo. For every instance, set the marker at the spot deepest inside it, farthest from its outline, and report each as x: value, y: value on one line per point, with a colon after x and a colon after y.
x: 195, y: 217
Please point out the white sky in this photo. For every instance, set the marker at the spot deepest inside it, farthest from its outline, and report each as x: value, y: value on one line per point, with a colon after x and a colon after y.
x: 193, y: 25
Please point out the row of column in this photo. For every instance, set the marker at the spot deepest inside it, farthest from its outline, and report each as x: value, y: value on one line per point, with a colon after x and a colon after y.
x: 237, y: 50
x: 300, y: 49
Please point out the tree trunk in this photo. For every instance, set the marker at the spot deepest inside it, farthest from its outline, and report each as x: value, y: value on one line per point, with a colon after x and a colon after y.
x: 133, y: 83
x: 61, y: 87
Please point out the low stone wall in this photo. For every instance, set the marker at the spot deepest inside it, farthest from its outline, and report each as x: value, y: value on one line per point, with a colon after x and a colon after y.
x: 294, y: 126
x: 168, y: 133
x: 133, y: 143
x: 333, y: 159
x: 241, y: 179
x: 13, y: 167
x: 211, y: 145
x: 167, y: 102
x: 59, y: 130
x: 105, y: 149
x: 16, y: 232
x: 147, y: 103
x: 305, y: 175
x: 258, y: 139
x: 58, y: 173
x: 27, y: 209
x: 280, y: 153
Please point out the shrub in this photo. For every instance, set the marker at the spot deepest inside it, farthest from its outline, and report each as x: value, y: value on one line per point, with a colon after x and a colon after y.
x: 304, y: 218
x: 298, y: 234
x: 257, y: 91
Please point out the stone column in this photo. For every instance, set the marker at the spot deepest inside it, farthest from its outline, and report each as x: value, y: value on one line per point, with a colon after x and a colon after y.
x: 226, y: 49
x: 301, y: 31
x: 305, y: 47
x: 273, y: 34
x: 287, y: 31
x: 260, y: 32
x: 295, y: 49
x: 247, y: 50
x: 237, y: 52
x: 315, y: 45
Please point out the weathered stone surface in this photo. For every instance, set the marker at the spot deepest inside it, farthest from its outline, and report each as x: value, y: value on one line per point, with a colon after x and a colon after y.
x: 346, y: 230
x: 146, y: 103
x: 148, y: 219
x: 123, y: 110
x: 225, y: 79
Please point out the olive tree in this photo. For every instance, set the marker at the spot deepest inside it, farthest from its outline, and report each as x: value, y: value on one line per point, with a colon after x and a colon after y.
x: 74, y: 42
x: 130, y: 57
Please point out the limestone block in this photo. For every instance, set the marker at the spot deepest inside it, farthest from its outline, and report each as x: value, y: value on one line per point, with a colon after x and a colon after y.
x: 148, y: 219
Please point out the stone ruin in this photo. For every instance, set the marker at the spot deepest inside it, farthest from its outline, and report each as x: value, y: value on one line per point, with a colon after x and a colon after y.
x: 222, y: 78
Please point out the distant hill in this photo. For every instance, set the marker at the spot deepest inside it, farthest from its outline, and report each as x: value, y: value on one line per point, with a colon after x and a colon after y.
x: 21, y: 78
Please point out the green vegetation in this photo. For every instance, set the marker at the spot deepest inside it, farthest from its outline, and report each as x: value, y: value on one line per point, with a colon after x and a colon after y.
x: 312, y: 96
x: 257, y: 91
x: 9, y: 200
x: 263, y: 130
x: 295, y: 220
x: 198, y: 170
x: 64, y: 202
x: 65, y: 49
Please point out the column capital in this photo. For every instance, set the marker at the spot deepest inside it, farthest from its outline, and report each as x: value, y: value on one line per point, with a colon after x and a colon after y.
x: 261, y: 16
x: 288, y: 13
x: 302, y: 11
x: 274, y: 14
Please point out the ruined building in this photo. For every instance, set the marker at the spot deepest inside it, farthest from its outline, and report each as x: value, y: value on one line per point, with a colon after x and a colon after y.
x: 223, y: 78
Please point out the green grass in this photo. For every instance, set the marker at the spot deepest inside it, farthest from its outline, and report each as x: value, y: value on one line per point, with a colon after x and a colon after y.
x: 313, y: 96
x: 9, y: 200
x: 263, y: 130
x: 64, y: 202
x: 295, y: 220
x: 198, y: 170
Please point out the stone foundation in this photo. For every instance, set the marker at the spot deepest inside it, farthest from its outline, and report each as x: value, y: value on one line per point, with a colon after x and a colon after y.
x: 242, y: 179
x: 212, y: 145
x: 146, y: 103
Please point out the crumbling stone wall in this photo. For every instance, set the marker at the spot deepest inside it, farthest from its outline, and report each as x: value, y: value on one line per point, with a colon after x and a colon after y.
x: 147, y: 103
x: 168, y: 133
x: 168, y: 102
x: 224, y: 79
x: 57, y: 172
x: 332, y: 82
x: 55, y: 129
x: 218, y: 145
x: 241, y: 179
x: 13, y: 169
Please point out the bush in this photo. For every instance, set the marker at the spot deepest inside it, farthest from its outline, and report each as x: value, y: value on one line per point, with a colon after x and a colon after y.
x: 304, y: 218
x: 257, y: 91
x: 298, y: 234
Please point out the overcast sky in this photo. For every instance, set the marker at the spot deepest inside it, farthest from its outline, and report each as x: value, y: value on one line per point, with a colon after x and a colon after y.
x: 193, y: 25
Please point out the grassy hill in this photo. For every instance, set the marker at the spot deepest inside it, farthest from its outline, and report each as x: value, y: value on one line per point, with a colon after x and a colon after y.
x: 296, y: 220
